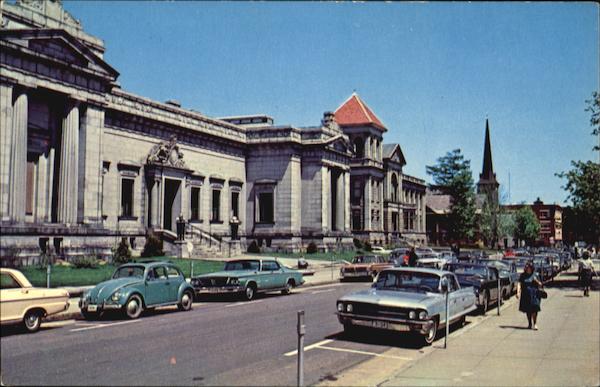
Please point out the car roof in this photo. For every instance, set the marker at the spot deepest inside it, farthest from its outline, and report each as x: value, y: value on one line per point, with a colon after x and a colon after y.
x: 148, y: 264
x: 419, y: 270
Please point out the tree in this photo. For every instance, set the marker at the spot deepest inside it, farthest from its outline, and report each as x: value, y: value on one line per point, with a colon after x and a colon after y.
x: 583, y: 181
x: 506, y: 224
x: 452, y: 176
x: 488, y: 223
x: 527, y: 225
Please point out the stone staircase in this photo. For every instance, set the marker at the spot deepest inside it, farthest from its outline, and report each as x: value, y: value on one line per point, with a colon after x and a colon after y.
x: 205, y: 245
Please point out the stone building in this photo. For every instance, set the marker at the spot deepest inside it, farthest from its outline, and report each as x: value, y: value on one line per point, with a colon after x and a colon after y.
x: 387, y: 206
x: 84, y: 163
x: 550, y: 217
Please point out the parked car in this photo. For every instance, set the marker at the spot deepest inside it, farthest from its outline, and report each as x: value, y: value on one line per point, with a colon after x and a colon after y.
x: 482, y: 278
x: 544, y: 268
x: 509, y: 277
x: 400, y: 256
x: 248, y: 277
x: 380, y: 250
x: 365, y: 267
x: 431, y: 261
x: 21, y: 303
x: 425, y: 250
x: 407, y: 300
x: 135, y: 287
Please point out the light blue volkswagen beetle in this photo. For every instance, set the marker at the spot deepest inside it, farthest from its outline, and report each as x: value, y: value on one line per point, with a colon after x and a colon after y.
x: 138, y: 286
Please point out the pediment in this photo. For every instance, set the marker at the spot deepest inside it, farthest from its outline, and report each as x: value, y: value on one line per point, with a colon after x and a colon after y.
x: 341, y: 144
x: 396, y: 155
x: 61, y: 46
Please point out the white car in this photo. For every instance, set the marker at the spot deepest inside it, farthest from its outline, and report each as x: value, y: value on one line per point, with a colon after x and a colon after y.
x: 380, y: 250
x: 21, y: 303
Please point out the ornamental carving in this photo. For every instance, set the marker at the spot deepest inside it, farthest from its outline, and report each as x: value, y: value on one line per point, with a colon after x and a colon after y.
x: 166, y: 153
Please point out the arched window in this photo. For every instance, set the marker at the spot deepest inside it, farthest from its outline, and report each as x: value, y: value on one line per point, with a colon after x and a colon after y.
x: 394, y: 187
x: 359, y: 147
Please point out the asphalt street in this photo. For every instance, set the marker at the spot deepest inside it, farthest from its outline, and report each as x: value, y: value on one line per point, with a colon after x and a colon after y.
x: 219, y: 342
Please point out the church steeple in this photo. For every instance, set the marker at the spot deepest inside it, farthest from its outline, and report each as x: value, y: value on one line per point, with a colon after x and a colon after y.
x: 488, y: 184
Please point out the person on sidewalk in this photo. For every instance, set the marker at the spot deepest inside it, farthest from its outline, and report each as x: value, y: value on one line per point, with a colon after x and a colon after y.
x: 527, y: 293
x: 586, y: 270
x: 412, y: 258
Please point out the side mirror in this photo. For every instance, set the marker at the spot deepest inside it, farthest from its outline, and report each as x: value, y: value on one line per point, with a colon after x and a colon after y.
x: 444, y: 285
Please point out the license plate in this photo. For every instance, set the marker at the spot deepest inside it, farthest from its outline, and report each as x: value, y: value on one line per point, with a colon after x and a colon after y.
x: 92, y: 308
x: 372, y: 323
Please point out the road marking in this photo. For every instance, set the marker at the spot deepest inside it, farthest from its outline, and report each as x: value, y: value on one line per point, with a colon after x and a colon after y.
x: 311, y: 288
x: 365, y: 353
x: 54, y: 324
x: 104, y: 325
x: 315, y: 345
x: 323, y: 291
x: 244, y: 303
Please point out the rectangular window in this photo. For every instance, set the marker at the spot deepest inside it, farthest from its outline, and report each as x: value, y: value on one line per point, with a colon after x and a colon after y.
x: 235, y: 206
x: 195, y: 203
x: 127, y: 197
x: 265, y: 207
x: 216, y: 205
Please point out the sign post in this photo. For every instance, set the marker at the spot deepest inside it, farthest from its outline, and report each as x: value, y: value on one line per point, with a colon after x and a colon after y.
x: 499, y: 294
x: 301, y: 332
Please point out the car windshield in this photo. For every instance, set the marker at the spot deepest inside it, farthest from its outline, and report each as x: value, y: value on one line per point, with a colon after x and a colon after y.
x: 365, y: 259
x: 242, y: 265
x: 129, y: 271
x: 408, y: 281
x: 469, y: 270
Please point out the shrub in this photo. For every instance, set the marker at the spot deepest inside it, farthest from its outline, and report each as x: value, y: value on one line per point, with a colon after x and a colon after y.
x: 122, y: 254
x: 85, y: 263
x: 253, y: 248
x: 368, y: 246
x: 153, y: 246
x: 357, y: 243
x: 311, y: 248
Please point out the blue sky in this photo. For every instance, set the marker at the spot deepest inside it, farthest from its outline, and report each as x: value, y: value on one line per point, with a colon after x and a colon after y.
x: 432, y: 72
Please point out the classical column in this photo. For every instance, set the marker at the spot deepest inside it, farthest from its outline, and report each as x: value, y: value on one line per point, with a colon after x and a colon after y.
x: 367, y: 204
x: 326, y: 198
x: 18, y: 159
x: 368, y: 147
x: 90, y: 168
x: 340, y: 202
x: 347, y: 212
x: 424, y: 213
x: 69, y: 168
x: 154, y: 203
x: 381, y: 209
x: 6, y: 113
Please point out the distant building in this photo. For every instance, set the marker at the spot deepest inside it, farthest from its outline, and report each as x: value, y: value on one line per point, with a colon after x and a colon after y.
x: 550, y: 217
x: 439, y: 206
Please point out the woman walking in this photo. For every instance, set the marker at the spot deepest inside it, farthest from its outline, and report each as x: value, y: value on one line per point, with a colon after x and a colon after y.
x: 528, y: 293
x: 586, y: 270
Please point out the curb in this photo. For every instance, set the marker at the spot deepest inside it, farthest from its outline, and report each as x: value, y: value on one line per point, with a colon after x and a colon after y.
x: 64, y: 316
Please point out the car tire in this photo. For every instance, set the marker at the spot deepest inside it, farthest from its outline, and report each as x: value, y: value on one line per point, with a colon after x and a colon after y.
x: 431, y: 334
x: 33, y: 320
x: 187, y: 299
x: 134, y: 307
x: 349, y: 329
x: 250, y: 292
x: 486, y: 303
x: 288, y: 287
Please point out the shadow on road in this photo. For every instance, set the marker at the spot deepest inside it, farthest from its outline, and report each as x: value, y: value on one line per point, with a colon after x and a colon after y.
x: 216, y: 298
x: 514, y: 327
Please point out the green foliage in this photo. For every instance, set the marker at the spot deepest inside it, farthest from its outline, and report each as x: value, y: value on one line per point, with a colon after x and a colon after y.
x: 311, y: 248
x: 253, y: 248
x: 488, y: 224
x: 594, y: 108
x: 452, y: 176
x: 122, y: 254
x: 153, y: 246
x: 357, y: 243
x: 527, y: 226
x: 85, y: 263
x: 506, y: 224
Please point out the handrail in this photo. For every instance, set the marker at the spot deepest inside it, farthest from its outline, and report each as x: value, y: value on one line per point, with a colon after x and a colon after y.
x: 195, y: 230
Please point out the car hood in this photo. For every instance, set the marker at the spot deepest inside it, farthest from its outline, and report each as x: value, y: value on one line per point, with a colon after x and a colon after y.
x: 105, y: 289
x: 357, y: 266
x: 390, y: 298
x: 469, y: 280
x: 229, y: 273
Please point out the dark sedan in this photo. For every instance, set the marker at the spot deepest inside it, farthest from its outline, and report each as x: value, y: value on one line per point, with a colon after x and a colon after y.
x: 482, y: 278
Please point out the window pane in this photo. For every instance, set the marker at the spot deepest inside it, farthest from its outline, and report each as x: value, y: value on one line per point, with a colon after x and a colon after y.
x: 127, y: 197
x: 8, y: 282
x: 235, y: 204
x: 265, y: 205
x: 216, y: 204
x: 195, y: 203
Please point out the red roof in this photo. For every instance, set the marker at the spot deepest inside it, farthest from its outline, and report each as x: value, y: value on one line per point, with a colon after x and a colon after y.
x: 355, y: 112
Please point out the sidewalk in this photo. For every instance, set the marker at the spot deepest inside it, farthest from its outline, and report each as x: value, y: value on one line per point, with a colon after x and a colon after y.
x: 501, y: 351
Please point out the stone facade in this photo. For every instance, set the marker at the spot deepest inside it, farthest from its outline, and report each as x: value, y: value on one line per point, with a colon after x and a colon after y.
x: 84, y: 163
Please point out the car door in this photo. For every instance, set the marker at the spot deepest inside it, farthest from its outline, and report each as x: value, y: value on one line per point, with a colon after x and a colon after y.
x: 279, y: 275
x: 454, y: 296
x: 157, y: 286
x: 175, y: 278
x: 265, y: 278
x: 12, y: 298
x: 493, y: 283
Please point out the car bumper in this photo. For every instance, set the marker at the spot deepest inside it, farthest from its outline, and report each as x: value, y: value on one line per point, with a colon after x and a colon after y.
x: 361, y: 274
x: 391, y: 324
x: 219, y: 290
x: 89, y: 307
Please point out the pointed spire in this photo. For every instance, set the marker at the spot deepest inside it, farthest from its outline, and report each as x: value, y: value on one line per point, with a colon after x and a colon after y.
x: 487, y: 172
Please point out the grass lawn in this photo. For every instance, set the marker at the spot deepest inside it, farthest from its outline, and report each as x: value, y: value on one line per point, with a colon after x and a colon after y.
x: 346, y: 255
x: 71, y: 276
